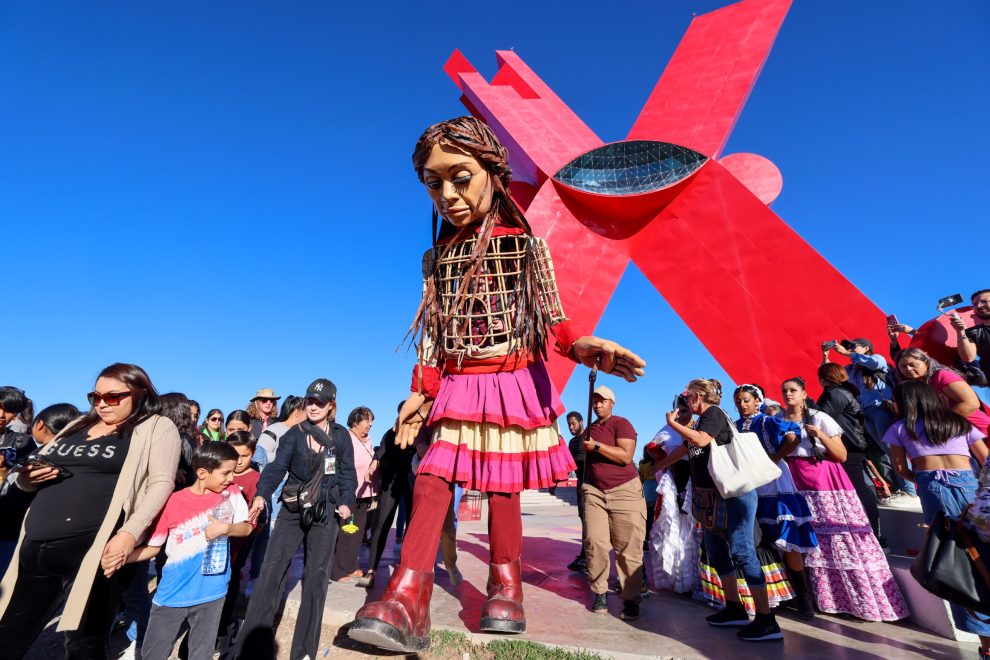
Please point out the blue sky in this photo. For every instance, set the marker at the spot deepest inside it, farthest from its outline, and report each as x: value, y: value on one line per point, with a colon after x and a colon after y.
x: 222, y: 192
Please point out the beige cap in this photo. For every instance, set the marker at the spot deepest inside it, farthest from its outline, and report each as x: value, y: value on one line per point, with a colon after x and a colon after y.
x: 605, y: 393
x: 266, y: 393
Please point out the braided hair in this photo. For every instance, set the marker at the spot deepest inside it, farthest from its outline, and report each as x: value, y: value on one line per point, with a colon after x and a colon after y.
x: 475, y: 138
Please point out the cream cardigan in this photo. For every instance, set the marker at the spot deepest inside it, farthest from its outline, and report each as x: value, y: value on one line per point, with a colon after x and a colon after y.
x: 145, y: 482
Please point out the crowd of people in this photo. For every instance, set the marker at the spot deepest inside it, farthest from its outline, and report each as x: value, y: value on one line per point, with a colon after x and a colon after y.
x: 93, y: 501
x: 93, y: 504
x: 912, y: 434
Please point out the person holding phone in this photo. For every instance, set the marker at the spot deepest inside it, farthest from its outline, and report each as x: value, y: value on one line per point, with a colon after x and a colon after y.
x: 100, y: 484
x: 870, y: 374
x: 974, y: 342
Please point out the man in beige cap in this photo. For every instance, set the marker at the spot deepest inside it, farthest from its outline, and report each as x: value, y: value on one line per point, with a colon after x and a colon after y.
x: 614, y: 507
x: 263, y: 410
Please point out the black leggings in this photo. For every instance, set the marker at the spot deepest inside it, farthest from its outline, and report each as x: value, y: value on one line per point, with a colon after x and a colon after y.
x: 392, y: 493
x: 45, y: 573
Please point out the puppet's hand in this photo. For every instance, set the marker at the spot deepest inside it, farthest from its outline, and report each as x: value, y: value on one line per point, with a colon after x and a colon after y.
x: 411, y: 417
x: 614, y: 358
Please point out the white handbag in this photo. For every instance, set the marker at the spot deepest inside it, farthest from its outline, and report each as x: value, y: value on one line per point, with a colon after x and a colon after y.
x: 740, y: 466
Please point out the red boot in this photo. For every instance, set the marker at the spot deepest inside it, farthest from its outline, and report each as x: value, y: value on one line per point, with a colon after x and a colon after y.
x: 400, y: 621
x: 503, y: 611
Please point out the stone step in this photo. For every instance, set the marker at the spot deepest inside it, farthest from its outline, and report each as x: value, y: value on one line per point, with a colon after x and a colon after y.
x: 535, y: 498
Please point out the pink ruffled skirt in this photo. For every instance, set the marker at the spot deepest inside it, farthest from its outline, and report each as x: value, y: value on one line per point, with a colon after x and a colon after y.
x: 498, y: 432
x: 848, y: 570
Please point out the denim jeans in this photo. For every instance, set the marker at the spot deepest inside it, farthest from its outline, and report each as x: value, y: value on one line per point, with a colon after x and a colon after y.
x: 878, y: 420
x: 950, y: 491
x: 137, y: 603
x: 738, y: 548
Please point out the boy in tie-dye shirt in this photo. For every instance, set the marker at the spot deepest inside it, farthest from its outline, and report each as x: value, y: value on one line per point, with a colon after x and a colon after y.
x: 185, y: 525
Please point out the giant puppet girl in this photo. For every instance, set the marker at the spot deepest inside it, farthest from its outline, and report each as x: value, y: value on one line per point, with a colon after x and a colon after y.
x: 490, y: 308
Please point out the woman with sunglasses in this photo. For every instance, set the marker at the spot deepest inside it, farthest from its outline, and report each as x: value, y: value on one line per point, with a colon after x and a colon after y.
x: 212, y: 429
x: 728, y: 523
x: 100, y: 484
x: 848, y: 571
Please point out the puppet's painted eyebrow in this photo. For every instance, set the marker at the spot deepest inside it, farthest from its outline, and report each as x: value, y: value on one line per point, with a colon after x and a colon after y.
x: 452, y: 167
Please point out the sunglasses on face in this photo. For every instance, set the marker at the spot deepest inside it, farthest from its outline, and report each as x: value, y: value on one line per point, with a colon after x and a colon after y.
x: 110, y: 398
x: 216, y: 419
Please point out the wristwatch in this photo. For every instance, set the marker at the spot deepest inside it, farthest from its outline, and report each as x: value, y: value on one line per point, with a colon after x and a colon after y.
x: 597, y: 446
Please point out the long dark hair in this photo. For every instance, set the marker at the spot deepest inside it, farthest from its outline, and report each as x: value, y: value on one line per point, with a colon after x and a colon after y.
x: 177, y: 407
x: 57, y: 416
x: 473, y: 137
x: 918, y: 402
x: 238, y: 416
x: 291, y: 404
x: 143, y: 394
x: 204, y: 427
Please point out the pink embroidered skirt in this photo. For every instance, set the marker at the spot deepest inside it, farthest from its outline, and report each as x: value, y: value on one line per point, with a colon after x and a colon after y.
x: 498, y: 432
x: 848, y: 570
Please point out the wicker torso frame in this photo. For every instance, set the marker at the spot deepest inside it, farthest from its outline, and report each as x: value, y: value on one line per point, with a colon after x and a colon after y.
x: 483, y: 325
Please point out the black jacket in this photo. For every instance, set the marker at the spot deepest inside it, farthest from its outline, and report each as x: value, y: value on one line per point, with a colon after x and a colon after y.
x: 841, y: 405
x: 292, y: 461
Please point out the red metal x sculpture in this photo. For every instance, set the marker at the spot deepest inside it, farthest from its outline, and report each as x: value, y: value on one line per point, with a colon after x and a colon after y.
x: 696, y: 224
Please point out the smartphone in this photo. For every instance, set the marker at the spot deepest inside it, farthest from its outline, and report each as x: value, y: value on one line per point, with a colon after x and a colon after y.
x: 892, y: 320
x: 829, y: 345
x: 949, y: 301
x: 35, y: 462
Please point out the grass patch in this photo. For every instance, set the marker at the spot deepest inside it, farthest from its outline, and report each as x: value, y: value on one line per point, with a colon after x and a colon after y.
x: 453, y: 645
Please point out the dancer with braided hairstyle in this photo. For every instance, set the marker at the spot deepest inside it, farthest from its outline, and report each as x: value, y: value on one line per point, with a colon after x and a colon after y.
x: 782, y: 512
x: 848, y: 571
x: 490, y: 306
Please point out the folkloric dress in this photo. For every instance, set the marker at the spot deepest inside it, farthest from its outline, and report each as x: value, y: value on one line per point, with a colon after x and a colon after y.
x: 849, y: 572
x: 782, y: 511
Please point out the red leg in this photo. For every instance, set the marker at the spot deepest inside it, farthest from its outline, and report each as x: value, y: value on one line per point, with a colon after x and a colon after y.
x: 400, y: 621
x: 503, y: 611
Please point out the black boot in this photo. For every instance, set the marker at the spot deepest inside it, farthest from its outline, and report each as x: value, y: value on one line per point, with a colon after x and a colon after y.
x: 805, y: 600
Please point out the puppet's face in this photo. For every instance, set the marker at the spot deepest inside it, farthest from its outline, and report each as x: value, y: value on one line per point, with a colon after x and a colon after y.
x: 458, y: 185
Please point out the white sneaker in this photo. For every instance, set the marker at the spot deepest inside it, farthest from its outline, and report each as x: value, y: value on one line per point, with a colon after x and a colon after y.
x: 886, y: 501
x: 132, y: 652
x: 905, y: 501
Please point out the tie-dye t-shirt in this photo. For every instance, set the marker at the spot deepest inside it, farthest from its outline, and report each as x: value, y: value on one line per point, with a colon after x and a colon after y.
x: 180, y: 528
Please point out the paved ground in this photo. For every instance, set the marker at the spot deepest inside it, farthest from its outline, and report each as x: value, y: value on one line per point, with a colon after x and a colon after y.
x: 670, y: 625
x: 557, y: 611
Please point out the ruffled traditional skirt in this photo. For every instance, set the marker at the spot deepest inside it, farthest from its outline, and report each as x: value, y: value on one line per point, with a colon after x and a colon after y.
x: 778, y: 586
x: 848, y: 571
x: 497, y: 432
x: 784, y: 516
x: 675, y: 541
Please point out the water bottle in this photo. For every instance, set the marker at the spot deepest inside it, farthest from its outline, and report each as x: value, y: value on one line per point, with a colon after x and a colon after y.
x: 215, y: 557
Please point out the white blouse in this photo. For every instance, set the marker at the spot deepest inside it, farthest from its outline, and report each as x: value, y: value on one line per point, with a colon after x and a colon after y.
x: 824, y: 423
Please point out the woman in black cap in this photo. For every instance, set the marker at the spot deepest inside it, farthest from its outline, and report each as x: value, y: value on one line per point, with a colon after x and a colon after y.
x: 317, y: 461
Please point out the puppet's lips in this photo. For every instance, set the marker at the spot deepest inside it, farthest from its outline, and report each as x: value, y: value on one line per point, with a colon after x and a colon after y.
x: 633, y: 167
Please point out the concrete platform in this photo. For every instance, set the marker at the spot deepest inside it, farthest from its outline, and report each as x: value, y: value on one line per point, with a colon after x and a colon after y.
x: 669, y: 626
